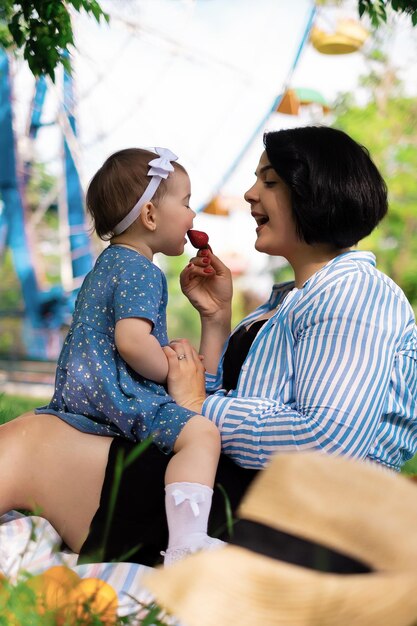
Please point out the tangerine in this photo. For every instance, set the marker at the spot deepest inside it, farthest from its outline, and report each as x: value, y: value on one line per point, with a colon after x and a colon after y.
x: 63, y: 575
x: 50, y: 594
x: 90, y: 597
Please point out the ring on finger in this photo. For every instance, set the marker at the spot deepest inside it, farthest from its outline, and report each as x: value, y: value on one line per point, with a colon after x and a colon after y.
x: 180, y: 357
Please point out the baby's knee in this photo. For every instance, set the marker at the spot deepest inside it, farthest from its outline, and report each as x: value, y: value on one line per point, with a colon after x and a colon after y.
x: 210, y: 436
x: 199, y: 430
x: 209, y: 429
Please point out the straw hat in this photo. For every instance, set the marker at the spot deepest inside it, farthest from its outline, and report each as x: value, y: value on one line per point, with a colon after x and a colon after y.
x: 306, y: 512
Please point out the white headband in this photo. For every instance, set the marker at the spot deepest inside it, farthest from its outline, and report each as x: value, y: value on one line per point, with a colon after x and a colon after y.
x: 160, y: 168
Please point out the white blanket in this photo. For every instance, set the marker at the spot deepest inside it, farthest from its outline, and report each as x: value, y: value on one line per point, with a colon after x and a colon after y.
x: 29, y: 544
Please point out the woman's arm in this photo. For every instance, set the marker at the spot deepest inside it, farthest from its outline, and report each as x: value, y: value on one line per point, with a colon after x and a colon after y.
x: 186, y: 380
x: 207, y: 283
x: 214, y: 334
x: 344, y: 351
x: 141, y: 350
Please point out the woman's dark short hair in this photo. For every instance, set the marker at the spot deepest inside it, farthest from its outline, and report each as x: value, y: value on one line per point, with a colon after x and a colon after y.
x: 338, y: 195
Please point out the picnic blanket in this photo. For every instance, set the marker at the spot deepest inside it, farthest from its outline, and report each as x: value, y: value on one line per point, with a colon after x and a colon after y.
x: 30, y: 544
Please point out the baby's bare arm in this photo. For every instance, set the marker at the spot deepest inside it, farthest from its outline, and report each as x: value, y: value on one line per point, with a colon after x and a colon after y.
x: 141, y: 350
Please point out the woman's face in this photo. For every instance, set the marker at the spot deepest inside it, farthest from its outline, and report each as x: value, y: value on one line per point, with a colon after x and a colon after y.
x: 270, y: 201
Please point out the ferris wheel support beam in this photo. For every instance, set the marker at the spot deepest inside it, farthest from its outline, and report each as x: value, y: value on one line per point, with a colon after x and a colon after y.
x: 80, y: 245
x: 13, y: 213
x: 34, y: 122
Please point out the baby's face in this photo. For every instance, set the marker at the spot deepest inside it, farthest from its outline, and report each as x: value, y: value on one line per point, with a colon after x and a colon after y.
x: 174, y: 215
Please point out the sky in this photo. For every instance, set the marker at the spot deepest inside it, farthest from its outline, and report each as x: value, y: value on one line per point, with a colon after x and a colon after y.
x: 199, y: 77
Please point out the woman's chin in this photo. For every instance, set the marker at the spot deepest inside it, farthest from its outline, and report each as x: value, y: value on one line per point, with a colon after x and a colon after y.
x: 259, y: 247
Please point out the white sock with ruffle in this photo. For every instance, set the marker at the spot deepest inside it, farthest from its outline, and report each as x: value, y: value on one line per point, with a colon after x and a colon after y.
x: 187, y: 508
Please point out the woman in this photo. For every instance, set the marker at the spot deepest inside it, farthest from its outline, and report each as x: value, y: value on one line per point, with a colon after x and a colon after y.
x: 333, y: 363
x: 328, y: 363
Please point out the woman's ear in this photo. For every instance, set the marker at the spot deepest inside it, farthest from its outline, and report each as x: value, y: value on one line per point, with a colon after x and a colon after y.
x: 148, y: 216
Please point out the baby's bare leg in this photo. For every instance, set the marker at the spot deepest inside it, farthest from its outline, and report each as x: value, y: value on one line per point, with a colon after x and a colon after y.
x: 50, y: 468
x: 197, y: 451
x: 189, y: 480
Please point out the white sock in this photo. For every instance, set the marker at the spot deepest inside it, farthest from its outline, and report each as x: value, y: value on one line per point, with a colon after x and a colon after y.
x: 187, y: 508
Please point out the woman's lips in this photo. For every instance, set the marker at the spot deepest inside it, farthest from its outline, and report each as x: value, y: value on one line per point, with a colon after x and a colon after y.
x: 261, y: 219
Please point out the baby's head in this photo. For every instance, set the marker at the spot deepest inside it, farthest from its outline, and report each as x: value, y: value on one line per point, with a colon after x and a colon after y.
x: 118, y: 185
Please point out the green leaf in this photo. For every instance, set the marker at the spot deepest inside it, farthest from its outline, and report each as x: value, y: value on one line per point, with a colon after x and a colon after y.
x: 66, y: 62
x: 126, y: 555
x: 137, y: 451
x: 228, y: 510
x: 16, y: 30
x: 117, y: 476
x: 96, y: 11
x: 151, y: 619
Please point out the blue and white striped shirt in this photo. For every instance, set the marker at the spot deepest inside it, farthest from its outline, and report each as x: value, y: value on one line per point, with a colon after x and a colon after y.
x: 334, y: 369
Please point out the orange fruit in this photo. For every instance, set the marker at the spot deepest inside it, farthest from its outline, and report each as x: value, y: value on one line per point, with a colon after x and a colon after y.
x: 50, y: 594
x: 91, y: 596
x: 62, y: 575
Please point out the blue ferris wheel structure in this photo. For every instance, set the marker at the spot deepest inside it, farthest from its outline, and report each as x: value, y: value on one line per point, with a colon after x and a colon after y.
x: 44, y: 310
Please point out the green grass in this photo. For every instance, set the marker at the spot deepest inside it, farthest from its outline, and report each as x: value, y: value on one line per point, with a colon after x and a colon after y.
x: 410, y: 467
x: 12, y: 406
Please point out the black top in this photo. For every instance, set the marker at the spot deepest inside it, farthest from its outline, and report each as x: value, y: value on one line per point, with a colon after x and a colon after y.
x: 236, y: 353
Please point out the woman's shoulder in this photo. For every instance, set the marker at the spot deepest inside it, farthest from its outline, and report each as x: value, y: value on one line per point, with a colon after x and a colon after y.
x: 355, y: 272
x: 363, y: 264
x: 351, y: 268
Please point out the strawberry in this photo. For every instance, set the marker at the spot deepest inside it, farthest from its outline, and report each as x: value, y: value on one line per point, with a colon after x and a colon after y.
x: 198, y: 239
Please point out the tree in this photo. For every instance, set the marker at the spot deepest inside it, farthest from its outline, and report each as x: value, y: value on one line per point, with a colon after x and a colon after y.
x: 42, y: 29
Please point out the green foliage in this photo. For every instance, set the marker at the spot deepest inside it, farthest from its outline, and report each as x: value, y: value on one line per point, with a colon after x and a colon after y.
x: 182, y: 319
x: 10, y: 296
x: 42, y: 28
x: 387, y: 126
x: 377, y: 9
x: 41, y: 183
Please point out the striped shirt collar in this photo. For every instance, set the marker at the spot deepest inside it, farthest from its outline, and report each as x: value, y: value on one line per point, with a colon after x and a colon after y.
x: 280, y: 289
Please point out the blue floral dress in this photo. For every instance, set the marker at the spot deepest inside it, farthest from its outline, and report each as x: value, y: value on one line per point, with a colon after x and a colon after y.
x: 95, y: 389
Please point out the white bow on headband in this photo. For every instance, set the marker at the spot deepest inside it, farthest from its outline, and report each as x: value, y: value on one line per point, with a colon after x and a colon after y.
x: 162, y: 166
